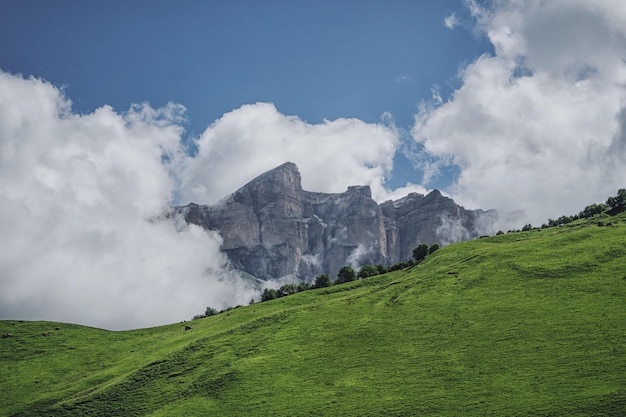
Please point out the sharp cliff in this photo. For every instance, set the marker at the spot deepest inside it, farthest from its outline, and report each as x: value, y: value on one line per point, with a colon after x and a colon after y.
x: 272, y: 227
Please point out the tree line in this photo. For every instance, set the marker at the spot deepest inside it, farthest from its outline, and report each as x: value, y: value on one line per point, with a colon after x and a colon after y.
x: 613, y: 205
x: 348, y: 274
x: 345, y: 274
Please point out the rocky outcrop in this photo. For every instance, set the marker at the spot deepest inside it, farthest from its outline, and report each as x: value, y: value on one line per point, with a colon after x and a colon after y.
x: 271, y: 227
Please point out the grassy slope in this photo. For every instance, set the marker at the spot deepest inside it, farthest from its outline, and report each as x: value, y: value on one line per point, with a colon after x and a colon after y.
x: 521, y: 324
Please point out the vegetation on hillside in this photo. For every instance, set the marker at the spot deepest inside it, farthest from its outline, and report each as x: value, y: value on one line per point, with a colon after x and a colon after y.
x: 614, y: 205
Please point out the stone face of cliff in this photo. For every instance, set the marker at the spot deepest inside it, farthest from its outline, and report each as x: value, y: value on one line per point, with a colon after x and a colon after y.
x: 271, y: 227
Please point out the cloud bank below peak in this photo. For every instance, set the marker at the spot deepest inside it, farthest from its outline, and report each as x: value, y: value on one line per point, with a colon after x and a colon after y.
x: 80, y: 201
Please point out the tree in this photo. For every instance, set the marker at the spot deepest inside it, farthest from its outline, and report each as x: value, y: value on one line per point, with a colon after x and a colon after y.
x: 286, y: 290
x: 268, y: 294
x: 346, y: 274
x: 322, y: 281
x: 382, y: 269
x: 368, y: 271
x: 210, y: 311
x: 420, y: 252
x: 303, y: 286
x: 592, y: 210
x: 618, y: 203
x: 401, y: 265
x: 434, y: 247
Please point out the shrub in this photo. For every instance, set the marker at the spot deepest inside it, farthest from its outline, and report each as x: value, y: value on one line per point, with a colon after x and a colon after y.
x: 286, y: 290
x: 618, y: 203
x: 420, y: 252
x: 346, y: 274
x: 368, y: 271
x: 210, y: 311
x: 322, y: 281
x: 268, y: 294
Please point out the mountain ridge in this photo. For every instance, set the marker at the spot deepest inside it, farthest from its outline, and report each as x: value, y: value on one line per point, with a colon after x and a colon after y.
x: 271, y: 227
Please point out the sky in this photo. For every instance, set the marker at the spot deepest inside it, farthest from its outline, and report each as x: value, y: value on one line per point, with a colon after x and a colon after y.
x: 110, y: 112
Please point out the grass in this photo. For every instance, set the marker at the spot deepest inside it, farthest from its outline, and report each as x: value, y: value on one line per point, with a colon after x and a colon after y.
x: 521, y: 324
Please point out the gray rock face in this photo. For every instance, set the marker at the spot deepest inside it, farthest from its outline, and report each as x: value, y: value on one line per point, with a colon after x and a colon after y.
x: 271, y: 227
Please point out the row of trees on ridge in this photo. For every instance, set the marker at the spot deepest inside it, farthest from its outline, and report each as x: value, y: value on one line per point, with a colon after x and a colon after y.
x: 348, y: 274
x: 613, y: 205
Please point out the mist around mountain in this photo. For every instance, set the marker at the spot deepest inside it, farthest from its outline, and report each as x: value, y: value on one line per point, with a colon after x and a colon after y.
x: 272, y: 229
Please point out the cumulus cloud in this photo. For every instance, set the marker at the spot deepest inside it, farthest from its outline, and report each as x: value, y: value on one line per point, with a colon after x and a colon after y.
x: 80, y: 201
x: 83, y: 197
x: 255, y: 138
x: 539, y: 125
x: 451, y: 21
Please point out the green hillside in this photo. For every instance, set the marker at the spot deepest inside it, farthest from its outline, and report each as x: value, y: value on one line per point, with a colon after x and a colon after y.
x: 524, y: 324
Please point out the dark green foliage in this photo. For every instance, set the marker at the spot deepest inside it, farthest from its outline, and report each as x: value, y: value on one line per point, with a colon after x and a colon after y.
x: 527, y: 227
x: 617, y: 204
x: 420, y: 252
x: 269, y: 294
x: 368, y: 271
x: 401, y: 265
x: 322, y: 281
x: 592, y: 210
x: 433, y: 248
x: 346, y: 274
x: 286, y: 290
x: 382, y: 269
x: 210, y: 311
x: 614, y: 205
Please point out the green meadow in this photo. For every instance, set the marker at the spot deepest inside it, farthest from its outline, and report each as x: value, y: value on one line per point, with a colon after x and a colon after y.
x: 520, y: 324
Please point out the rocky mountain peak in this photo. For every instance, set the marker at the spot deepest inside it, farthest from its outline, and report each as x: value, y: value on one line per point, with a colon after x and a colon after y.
x: 281, y: 186
x: 285, y: 176
x: 272, y: 228
x: 361, y: 190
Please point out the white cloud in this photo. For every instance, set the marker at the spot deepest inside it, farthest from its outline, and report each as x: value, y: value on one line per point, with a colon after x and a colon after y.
x: 451, y: 21
x: 82, y: 199
x: 254, y: 138
x: 536, y: 126
x: 400, y: 79
x: 79, y: 198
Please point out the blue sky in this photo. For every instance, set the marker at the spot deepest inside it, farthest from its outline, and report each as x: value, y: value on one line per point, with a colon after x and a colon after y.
x: 316, y: 60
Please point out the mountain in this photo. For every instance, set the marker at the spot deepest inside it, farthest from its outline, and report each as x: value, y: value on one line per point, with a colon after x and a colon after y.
x: 521, y: 324
x: 272, y: 227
